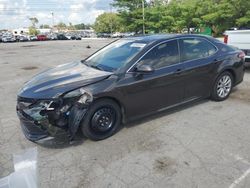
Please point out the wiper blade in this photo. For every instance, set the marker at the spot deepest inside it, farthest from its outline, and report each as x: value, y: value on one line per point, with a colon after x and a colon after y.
x: 96, y: 67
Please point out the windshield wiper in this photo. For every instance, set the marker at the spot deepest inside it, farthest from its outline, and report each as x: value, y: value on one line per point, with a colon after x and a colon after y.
x: 96, y: 67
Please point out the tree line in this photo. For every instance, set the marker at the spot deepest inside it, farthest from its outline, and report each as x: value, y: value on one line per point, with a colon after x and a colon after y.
x: 60, y: 26
x: 162, y: 16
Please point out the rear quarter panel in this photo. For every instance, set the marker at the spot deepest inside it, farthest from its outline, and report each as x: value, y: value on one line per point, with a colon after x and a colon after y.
x: 232, y: 63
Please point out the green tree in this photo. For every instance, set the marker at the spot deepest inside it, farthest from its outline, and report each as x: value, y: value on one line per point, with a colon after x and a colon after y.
x: 71, y: 26
x: 176, y: 15
x: 88, y: 26
x: 107, y: 23
x: 244, y: 21
x: 131, y: 14
x: 34, y: 21
x: 61, y: 25
x: 44, y: 26
x: 80, y: 26
x: 33, y: 31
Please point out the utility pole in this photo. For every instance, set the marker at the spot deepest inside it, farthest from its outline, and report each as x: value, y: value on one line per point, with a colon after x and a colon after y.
x: 52, y: 14
x: 143, y: 17
x: 111, y: 21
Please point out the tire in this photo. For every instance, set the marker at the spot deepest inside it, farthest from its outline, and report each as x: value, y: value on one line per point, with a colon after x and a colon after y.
x: 222, y: 87
x: 102, y: 120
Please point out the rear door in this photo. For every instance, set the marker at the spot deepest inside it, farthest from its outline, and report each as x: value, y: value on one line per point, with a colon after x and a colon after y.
x: 198, y: 58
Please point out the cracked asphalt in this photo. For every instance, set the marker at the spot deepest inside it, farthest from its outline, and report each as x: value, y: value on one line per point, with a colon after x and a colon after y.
x: 203, y: 145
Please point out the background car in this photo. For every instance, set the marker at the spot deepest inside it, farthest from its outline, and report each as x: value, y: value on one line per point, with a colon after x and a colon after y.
x: 42, y: 37
x: 52, y: 36
x: 62, y: 37
x: 32, y: 38
x: 78, y: 37
x: 22, y: 38
x: 8, y: 38
x: 240, y: 39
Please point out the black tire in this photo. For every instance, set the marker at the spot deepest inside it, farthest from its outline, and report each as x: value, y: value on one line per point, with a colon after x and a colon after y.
x: 215, y: 95
x: 102, y: 120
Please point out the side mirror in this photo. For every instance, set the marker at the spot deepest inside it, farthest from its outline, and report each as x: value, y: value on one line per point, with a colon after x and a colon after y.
x: 144, y: 69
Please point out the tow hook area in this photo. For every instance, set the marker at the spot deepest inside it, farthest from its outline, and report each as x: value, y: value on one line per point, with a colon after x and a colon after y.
x: 76, y: 114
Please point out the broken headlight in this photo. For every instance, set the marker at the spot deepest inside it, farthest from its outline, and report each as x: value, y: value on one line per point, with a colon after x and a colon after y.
x: 83, y: 96
x: 35, y: 110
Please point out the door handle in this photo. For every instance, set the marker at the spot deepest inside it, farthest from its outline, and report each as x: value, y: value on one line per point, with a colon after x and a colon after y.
x: 216, y: 61
x: 178, y: 71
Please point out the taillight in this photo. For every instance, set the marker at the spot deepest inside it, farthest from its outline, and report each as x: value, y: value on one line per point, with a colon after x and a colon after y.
x: 241, y: 55
x: 225, y: 39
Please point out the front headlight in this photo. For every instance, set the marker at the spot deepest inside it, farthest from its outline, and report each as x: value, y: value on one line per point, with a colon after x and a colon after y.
x: 84, y: 96
x: 75, y: 93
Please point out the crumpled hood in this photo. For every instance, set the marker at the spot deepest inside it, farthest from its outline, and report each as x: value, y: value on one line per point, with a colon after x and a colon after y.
x: 61, y: 79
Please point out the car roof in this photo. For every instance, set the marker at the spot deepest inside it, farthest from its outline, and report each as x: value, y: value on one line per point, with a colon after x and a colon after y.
x: 160, y: 37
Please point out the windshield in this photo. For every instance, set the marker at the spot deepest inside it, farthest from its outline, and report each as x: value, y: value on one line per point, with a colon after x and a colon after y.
x: 115, y: 55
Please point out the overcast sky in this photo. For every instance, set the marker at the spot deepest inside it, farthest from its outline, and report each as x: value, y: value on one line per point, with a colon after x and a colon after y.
x: 15, y: 13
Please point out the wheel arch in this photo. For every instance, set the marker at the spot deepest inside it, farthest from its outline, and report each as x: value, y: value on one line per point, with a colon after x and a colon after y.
x: 231, y: 71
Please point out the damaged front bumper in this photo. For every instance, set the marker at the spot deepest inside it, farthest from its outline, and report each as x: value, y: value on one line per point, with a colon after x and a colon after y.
x: 40, y: 119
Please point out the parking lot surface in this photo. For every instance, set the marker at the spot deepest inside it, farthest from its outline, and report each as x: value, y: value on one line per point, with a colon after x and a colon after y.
x: 201, y: 145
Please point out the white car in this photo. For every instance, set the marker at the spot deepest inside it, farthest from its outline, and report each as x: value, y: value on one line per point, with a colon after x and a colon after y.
x: 239, y: 39
x: 8, y: 38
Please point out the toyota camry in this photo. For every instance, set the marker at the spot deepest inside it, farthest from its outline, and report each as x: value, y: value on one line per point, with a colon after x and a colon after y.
x: 126, y: 80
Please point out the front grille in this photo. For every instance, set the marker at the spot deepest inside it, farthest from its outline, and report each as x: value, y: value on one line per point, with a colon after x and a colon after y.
x: 31, y: 127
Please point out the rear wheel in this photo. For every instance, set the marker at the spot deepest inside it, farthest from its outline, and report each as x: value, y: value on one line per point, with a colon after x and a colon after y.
x: 102, y: 120
x: 222, y: 87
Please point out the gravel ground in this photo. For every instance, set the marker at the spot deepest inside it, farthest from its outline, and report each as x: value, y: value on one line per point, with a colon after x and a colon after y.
x: 201, y: 145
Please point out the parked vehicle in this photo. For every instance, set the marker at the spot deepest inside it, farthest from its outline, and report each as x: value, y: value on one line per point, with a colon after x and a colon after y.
x: 69, y: 37
x: 22, y: 38
x: 8, y: 38
x: 62, y: 37
x: 103, y: 35
x: 239, y: 39
x: 52, y: 36
x: 78, y: 37
x: 128, y: 34
x: 117, y: 35
x: 126, y: 80
x: 32, y: 38
x: 41, y: 37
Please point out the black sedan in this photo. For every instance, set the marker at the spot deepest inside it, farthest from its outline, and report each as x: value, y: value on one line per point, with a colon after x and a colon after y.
x: 128, y: 79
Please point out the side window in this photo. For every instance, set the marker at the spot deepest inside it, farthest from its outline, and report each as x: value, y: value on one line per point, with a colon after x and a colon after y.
x: 193, y: 48
x: 162, y: 55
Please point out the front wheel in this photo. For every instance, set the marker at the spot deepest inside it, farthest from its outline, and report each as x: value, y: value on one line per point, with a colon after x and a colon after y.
x: 222, y: 87
x: 102, y: 120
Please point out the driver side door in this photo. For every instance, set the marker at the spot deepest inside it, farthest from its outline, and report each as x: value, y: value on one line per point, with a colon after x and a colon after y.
x: 147, y: 92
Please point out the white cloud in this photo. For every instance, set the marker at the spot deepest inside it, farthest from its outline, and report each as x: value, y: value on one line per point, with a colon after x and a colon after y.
x: 15, y: 13
x: 2, y: 6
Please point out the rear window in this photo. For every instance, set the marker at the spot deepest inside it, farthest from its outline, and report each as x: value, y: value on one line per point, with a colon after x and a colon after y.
x: 196, y: 48
x: 227, y: 48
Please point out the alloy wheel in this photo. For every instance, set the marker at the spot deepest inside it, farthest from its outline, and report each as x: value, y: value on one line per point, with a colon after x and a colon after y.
x: 224, y: 86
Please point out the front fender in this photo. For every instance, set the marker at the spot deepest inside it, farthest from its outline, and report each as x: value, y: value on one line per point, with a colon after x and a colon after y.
x: 76, y: 115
